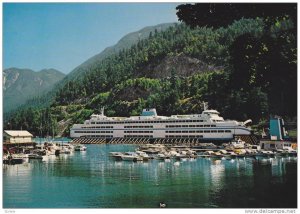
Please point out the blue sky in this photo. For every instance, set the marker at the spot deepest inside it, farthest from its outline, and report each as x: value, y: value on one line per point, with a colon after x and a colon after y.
x: 64, y: 35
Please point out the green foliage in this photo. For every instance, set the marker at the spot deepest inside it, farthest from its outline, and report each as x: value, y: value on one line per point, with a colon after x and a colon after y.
x: 82, y: 115
x: 204, y: 44
x: 223, y: 14
x: 254, y: 76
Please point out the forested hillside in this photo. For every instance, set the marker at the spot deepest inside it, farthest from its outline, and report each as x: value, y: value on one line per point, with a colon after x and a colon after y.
x: 246, y: 69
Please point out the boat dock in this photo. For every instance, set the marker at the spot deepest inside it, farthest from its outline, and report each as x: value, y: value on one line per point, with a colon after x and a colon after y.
x: 174, y: 141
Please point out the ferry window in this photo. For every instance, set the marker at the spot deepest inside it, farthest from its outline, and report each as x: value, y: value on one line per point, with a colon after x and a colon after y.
x: 206, y: 131
x: 228, y: 131
x: 220, y: 131
x: 213, y: 131
x: 213, y: 125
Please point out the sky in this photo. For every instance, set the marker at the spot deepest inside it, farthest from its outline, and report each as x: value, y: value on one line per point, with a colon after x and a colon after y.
x: 63, y: 35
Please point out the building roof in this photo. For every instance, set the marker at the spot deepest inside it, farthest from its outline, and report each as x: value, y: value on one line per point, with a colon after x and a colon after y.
x: 18, y: 133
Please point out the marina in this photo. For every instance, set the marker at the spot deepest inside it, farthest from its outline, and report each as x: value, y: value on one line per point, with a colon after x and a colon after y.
x: 153, y: 171
x: 150, y: 105
x: 93, y: 179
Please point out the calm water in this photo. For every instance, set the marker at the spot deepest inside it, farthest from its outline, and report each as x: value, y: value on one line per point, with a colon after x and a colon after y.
x: 93, y: 180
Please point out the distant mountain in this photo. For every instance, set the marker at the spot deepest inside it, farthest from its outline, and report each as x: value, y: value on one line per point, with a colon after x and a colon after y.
x: 19, y: 85
x: 124, y: 43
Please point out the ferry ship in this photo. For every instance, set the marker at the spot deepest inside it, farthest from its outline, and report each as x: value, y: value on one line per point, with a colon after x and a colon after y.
x: 207, y: 126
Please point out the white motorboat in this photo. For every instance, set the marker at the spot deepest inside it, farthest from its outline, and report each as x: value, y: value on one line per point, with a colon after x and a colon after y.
x: 144, y: 155
x: 79, y: 147
x: 131, y: 156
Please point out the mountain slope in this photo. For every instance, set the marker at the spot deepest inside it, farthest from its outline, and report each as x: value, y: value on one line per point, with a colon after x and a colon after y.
x: 174, y: 71
x: 19, y: 85
x: 124, y: 43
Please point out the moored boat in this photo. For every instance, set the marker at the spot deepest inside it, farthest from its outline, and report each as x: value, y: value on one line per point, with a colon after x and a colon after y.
x: 131, y: 156
x: 143, y: 155
x: 79, y: 147
x: 206, y: 126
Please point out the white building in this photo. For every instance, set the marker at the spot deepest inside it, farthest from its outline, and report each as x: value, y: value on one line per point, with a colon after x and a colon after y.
x: 13, y: 137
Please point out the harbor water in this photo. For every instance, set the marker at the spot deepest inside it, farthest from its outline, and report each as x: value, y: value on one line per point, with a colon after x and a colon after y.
x: 92, y: 179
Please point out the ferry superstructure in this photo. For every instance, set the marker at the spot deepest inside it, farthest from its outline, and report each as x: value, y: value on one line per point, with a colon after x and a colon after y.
x: 208, y: 126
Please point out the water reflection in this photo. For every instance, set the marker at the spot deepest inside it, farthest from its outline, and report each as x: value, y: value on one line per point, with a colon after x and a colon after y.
x: 93, y: 179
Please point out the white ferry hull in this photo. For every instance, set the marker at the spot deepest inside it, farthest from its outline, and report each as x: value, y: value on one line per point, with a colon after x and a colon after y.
x: 208, y: 126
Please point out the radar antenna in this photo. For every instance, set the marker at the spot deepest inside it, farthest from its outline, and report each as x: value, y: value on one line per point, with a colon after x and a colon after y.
x: 205, y: 105
x: 102, y: 111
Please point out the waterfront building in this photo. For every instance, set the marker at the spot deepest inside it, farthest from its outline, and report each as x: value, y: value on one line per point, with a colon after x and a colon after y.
x: 17, y: 138
x: 279, y: 138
